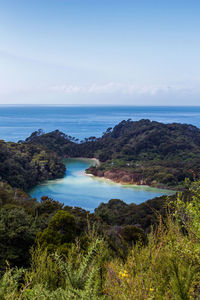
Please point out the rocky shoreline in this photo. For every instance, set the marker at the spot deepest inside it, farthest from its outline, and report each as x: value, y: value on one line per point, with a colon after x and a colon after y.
x: 118, y: 176
x: 123, y: 177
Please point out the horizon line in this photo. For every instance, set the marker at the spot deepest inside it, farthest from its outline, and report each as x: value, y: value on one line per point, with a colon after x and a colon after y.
x: 92, y: 105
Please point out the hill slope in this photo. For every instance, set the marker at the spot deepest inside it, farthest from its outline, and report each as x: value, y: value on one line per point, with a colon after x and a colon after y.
x: 152, y: 153
x: 141, y: 152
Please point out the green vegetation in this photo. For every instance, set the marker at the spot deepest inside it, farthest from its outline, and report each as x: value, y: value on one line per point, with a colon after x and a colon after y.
x: 141, y: 152
x: 163, y: 264
x: 25, y: 165
x: 151, y: 153
x: 52, y: 277
x: 121, y: 251
x: 59, y: 234
x: 55, y: 141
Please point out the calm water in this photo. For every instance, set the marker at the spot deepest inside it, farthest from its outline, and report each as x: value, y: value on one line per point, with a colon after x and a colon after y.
x: 18, y: 123
x: 77, y: 189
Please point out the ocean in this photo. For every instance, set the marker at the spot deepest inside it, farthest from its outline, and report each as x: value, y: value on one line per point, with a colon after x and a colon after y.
x: 18, y: 122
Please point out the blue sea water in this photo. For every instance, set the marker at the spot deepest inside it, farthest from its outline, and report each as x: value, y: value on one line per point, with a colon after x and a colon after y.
x: 76, y: 189
x: 18, y: 122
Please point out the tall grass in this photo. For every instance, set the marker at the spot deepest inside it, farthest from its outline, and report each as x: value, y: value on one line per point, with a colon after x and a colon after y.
x: 168, y: 267
x: 79, y: 276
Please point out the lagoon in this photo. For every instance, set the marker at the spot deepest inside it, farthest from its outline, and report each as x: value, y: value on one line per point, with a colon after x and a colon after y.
x: 78, y: 189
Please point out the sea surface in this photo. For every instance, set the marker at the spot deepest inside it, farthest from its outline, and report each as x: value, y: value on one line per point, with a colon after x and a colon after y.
x: 77, y: 189
x: 18, y: 122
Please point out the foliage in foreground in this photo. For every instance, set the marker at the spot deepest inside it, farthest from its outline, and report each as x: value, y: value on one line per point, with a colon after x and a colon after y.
x: 167, y: 266
x: 23, y: 220
x: 53, y: 277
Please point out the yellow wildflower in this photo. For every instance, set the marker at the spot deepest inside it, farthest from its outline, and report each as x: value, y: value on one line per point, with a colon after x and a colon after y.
x: 123, y: 274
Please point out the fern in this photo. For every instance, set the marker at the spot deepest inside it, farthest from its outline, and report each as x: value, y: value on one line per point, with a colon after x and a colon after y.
x: 9, y: 283
x: 82, y: 277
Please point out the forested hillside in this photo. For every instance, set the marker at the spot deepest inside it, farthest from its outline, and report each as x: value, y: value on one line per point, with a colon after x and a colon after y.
x: 141, y: 152
x: 151, y: 153
x: 25, y: 165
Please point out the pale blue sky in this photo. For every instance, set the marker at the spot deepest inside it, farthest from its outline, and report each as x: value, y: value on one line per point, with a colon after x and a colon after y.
x: 143, y: 52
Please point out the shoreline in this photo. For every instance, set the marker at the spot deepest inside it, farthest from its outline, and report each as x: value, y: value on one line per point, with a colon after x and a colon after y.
x: 96, y: 160
x: 124, y: 184
x: 129, y: 185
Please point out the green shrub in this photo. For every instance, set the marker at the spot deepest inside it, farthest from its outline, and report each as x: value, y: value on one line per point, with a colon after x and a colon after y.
x: 59, y: 234
x: 168, y: 267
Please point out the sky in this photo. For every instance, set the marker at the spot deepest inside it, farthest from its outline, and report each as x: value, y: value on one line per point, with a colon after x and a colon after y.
x: 100, y: 52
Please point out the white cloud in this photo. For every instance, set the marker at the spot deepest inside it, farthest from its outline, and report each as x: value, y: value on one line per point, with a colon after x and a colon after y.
x: 107, y: 93
x: 124, y: 88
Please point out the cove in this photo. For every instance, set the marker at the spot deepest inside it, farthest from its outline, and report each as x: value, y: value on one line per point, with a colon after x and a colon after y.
x: 78, y: 189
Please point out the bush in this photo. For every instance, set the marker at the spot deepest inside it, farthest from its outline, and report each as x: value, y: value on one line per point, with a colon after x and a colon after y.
x: 59, y: 234
x: 168, y: 267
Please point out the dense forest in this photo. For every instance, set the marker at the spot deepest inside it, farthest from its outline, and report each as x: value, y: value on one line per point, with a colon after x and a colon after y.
x: 25, y: 165
x: 141, y: 152
x: 121, y: 251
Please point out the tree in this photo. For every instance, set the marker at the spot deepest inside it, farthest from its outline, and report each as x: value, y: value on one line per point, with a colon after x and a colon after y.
x: 17, y: 234
x: 59, y: 234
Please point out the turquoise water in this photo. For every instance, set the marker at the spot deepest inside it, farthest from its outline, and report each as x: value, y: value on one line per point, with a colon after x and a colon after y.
x: 17, y: 123
x: 78, y: 189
